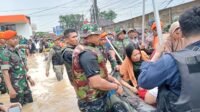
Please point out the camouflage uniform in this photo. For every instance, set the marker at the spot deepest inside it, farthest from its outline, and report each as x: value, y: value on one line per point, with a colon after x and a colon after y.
x: 12, y: 61
x: 2, y: 83
x: 104, y: 52
x: 89, y: 99
x: 120, y: 46
x: 68, y: 65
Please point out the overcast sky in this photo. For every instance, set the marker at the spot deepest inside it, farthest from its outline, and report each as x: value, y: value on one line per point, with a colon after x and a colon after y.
x: 45, y: 13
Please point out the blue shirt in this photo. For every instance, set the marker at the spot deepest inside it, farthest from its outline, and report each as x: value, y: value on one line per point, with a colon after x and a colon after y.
x: 162, y: 72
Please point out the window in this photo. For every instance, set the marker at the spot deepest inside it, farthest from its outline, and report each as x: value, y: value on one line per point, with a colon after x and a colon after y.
x: 8, y: 27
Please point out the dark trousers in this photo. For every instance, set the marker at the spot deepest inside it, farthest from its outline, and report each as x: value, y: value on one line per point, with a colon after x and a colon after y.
x: 98, y: 105
x: 22, y: 98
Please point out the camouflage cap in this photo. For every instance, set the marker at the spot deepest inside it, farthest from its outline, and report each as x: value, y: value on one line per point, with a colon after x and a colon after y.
x: 119, y: 30
x: 131, y: 29
x: 85, y: 35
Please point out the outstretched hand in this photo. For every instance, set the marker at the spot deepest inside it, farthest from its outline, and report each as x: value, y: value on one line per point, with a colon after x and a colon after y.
x: 120, y: 90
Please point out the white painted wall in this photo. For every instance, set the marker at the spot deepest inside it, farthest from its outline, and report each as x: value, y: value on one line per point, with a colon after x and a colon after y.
x: 24, y: 29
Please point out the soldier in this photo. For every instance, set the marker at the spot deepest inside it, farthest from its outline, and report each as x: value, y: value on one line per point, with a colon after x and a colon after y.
x: 14, y: 69
x: 71, y: 40
x: 120, y: 44
x: 133, y: 36
x: 90, y: 78
x: 2, y: 83
x: 55, y: 56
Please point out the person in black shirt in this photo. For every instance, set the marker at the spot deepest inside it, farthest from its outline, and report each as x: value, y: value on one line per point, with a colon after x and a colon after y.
x: 71, y: 39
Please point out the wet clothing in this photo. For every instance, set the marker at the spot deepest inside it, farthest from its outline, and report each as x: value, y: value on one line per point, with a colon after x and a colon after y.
x: 67, y: 56
x: 89, y: 99
x: 2, y: 83
x: 165, y: 74
x: 58, y: 69
x: 98, y: 105
x: 55, y: 57
x: 12, y: 60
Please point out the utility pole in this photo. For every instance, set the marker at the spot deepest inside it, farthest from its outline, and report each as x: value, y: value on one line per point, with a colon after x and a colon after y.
x: 96, y: 12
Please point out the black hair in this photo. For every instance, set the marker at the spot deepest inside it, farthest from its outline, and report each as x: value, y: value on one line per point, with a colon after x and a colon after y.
x: 130, y: 48
x: 67, y: 32
x: 190, y: 22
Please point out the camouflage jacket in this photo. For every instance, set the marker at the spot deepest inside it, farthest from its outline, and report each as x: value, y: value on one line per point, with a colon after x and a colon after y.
x: 80, y: 81
x: 1, y: 51
x: 120, y: 46
x: 12, y: 60
x: 2, y: 83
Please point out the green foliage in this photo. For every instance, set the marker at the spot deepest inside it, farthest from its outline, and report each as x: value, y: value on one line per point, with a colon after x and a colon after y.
x: 108, y: 15
x: 41, y: 34
x: 74, y: 21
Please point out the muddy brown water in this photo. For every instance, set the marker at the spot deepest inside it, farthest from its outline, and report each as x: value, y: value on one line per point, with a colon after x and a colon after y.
x: 49, y: 95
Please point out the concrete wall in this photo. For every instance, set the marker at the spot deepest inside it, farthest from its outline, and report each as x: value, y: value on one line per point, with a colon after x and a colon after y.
x: 24, y: 29
x: 167, y: 16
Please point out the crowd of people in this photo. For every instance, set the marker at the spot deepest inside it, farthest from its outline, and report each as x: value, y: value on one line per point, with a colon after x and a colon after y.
x: 164, y: 74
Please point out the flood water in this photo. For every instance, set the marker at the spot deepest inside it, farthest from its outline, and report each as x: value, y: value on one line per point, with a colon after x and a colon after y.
x: 49, y: 95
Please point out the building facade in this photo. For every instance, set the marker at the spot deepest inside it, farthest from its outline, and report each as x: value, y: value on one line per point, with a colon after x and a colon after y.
x: 19, y: 23
x: 167, y: 16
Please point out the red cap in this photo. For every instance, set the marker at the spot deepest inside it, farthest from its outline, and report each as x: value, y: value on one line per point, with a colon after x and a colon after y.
x: 9, y: 34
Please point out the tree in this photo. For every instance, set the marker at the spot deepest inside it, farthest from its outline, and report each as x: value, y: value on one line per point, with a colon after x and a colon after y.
x: 41, y: 34
x: 71, y: 21
x: 108, y: 15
